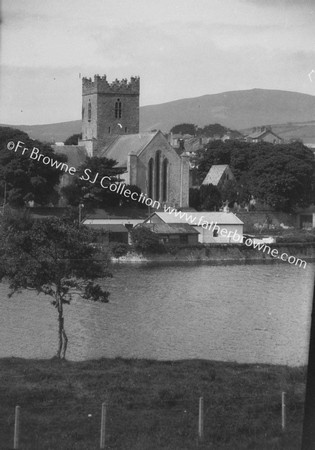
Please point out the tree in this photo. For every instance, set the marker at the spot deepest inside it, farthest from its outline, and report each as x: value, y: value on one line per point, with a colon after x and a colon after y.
x: 23, y: 179
x: 144, y: 240
x: 229, y: 192
x: 74, y: 139
x: 194, y: 198
x: 55, y: 257
x: 282, y: 176
x: 91, y: 186
x: 87, y: 184
x: 210, y: 197
x: 215, y: 129
x: 184, y: 128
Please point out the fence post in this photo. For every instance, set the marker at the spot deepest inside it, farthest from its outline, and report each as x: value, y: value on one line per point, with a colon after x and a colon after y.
x: 17, y: 427
x: 200, y: 421
x: 103, y: 420
x: 283, y: 411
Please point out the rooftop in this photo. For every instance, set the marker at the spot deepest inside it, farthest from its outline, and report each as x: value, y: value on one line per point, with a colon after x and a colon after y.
x: 193, y: 218
x: 215, y: 173
x: 170, y: 228
x: 127, y: 144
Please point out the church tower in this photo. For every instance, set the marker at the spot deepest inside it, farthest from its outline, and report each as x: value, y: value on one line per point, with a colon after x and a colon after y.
x: 108, y: 110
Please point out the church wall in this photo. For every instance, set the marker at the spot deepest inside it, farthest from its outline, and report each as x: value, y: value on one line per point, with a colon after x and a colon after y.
x: 177, y: 173
x: 185, y: 181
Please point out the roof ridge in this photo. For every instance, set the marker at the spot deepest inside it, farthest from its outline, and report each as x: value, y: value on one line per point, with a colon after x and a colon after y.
x: 153, y: 136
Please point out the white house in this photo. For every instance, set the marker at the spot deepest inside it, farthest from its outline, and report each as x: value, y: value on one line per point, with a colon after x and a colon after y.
x: 213, y: 227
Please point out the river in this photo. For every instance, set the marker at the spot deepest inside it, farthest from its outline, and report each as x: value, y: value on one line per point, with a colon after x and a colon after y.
x: 243, y: 313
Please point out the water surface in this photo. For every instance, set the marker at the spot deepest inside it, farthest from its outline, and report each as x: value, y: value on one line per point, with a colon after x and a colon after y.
x: 243, y: 313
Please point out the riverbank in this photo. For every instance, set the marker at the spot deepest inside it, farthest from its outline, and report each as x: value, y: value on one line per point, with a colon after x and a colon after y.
x: 222, y: 254
x: 150, y: 404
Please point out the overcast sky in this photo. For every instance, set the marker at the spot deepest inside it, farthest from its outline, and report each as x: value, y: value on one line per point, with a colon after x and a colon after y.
x: 179, y: 48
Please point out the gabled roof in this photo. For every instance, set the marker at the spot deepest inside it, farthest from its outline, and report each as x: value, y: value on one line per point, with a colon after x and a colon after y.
x: 193, y: 218
x: 170, y: 228
x: 76, y: 154
x: 127, y: 144
x: 215, y: 173
x: 261, y: 134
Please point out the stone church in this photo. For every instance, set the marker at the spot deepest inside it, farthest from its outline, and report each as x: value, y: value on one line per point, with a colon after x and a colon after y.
x: 110, y: 128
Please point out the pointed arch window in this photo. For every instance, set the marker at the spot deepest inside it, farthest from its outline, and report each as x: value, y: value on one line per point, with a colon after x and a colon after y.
x: 118, y: 109
x: 164, y: 179
x: 157, y: 174
x: 150, y: 178
x: 89, y: 111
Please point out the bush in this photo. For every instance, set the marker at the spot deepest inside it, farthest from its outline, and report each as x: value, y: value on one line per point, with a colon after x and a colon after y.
x: 144, y: 240
x: 119, y: 249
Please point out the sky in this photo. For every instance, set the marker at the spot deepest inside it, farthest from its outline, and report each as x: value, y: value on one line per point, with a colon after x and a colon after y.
x: 179, y: 48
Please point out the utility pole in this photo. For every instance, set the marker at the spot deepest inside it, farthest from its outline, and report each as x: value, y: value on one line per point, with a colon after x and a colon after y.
x: 80, y: 212
x: 308, y: 438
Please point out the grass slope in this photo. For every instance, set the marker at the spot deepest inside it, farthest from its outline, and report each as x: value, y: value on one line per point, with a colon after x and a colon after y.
x: 151, y: 405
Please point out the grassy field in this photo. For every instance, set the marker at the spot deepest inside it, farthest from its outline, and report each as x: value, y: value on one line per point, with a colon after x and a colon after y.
x: 150, y: 404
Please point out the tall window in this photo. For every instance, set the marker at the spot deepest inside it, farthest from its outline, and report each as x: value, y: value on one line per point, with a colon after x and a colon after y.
x: 164, y: 180
x: 150, y: 178
x: 118, y: 109
x: 157, y: 175
x: 89, y: 111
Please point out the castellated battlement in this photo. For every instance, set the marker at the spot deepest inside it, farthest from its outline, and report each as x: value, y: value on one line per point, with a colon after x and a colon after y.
x: 101, y: 85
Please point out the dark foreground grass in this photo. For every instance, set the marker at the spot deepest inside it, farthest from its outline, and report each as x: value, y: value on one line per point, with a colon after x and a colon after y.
x: 150, y: 404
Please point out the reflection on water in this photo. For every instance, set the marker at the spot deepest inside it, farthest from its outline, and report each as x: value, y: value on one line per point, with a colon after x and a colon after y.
x: 247, y: 313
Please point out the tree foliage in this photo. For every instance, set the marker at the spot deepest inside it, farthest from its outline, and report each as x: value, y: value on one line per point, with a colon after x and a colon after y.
x: 210, y: 197
x: 23, y: 178
x: 73, y: 140
x: 91, y: 186
x: 184, y: 128
x: 144, y: 240
x: 55, y: 257
x: 282, y: 176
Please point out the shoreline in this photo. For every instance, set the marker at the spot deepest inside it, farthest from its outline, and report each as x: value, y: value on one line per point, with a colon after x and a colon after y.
x: 221, y: 254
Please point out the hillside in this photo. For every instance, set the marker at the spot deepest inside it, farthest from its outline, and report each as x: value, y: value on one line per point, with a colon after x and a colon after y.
x: 236, y: 110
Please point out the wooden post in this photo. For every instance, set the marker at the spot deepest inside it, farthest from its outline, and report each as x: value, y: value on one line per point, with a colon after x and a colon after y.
x: 103, y: 420
x: 283, y: 411
x: 17, y: 427
x: 308, y: 438
x: 200, y: 421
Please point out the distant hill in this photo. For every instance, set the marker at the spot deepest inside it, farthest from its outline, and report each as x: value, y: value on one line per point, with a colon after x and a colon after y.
x: 236, y: 110
x: 51, y: 132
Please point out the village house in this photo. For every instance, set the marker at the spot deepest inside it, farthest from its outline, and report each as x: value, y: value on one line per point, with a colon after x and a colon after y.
x: 263, y: 134
x: 218, y: 175
x: 173, y: 233
x: 208, y: 224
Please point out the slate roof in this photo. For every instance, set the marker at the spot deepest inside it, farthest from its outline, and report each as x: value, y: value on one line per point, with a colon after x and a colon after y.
x: 118, y: 213
x: 260, y: 134
x: 215, y: 173
x: 170, y: 228
x: 111, y: 228
x: 113, y: 221
x: 76, y: 154
x: 127, y: 144
x: 221, y: 218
